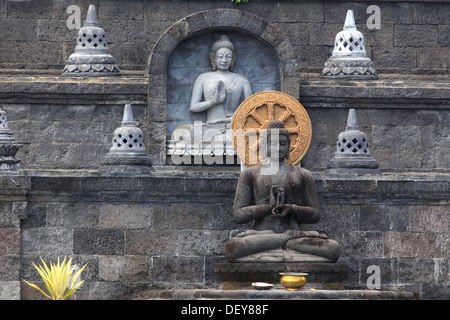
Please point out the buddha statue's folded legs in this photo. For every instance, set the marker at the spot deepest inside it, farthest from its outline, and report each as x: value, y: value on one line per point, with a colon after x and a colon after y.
x: 303, y: 242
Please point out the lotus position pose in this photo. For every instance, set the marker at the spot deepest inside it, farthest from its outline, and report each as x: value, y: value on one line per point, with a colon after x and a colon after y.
x: 278, y: 204
x: 220, y: 91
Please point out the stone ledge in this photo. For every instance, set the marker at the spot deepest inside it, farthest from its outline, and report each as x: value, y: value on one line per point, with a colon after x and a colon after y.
x: 389, y: 91
x: 274, y: 294
x: 220, y: 182
x: 72, y: 90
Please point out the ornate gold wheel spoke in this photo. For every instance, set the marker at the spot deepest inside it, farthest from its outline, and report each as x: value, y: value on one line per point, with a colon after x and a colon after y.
x: 256, y: 116
x: 285, y: 115
x: 294, y: 130
x: 270, y: 110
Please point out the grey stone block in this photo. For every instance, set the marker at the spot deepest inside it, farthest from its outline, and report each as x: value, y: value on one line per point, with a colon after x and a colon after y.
x: 396, y: 58
x: 150, y: 242
x: 46, y: 241
x: 10, y: 240
x: 442, y: 245
x: 29, y: 10
x: 301, y: 11
x: 362, y: 244
x: 125, y: 215
x: 19, y: 30
x: 431, y: 13
x: 101, y: 242
x: 224, y: 17
x: 36, y: 216
x: 414, y: 271
x: 180, y: 216
x: 165, y: 10
x: 19, y: 209
x: 374, y: 218
x: 433, y: 58
x: 115, y: 10
x: 429, y: 218
x: 444, y: 35
x: 105, y: 290
x: 416, y: 36
x: 9, y: 290
x: 336, y: 218
x: 177, y: 269
x: 440, y: 291
x: 124, y: 269
x: 323, y: 34
x: 408, y: 244
x: 73, y: 215
x: 202, y: 242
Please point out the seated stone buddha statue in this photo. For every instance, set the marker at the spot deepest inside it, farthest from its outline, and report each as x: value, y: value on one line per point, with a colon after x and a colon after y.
x: 278, y: 202
x: 220, y: 91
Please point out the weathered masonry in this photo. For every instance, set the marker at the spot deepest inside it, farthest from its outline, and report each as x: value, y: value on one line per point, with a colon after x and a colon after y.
x: 166, y: 229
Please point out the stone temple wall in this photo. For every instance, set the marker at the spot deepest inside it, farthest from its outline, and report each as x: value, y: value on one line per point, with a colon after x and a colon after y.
x: 413, y: 37
x: 167, y: 230
x: 138, y: 232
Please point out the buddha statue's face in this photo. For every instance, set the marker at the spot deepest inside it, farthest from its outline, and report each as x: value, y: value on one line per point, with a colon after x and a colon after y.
x: 223, y: 58
x: 278, y: 146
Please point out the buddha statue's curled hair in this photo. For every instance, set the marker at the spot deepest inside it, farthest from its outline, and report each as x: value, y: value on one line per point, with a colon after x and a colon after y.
x: 278, y: 125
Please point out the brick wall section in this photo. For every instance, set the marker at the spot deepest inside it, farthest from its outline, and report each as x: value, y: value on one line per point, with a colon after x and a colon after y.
x: 69, y: 124
x: 413, y: 37
x: 13, y: 207
x: 168, y: 230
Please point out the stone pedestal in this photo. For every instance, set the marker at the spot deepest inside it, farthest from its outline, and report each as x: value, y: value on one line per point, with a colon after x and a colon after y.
x: 241, y: 275
x: 273, y: 294
x: 323, y: 283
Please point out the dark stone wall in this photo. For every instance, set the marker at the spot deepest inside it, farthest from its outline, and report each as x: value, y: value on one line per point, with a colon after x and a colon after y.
x: 413, y: 37
x: 167, y: 230
x: 69, y: 124
x: 141, y: 232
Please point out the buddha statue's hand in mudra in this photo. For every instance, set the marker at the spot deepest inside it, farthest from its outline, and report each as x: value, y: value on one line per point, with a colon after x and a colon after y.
x: 277, y: 205
x: 220, y: 94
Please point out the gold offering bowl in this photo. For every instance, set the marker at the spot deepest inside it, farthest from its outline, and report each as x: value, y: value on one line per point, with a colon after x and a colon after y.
x: 293, y: 281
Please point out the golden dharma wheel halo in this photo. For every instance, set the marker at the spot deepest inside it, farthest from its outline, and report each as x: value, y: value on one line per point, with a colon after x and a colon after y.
x: 254, y: 115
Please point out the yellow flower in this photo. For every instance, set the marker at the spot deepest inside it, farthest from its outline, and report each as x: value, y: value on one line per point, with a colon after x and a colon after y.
x: 58, y: 279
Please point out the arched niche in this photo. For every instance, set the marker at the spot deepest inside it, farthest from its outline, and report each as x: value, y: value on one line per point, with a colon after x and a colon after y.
x: 239, y: 25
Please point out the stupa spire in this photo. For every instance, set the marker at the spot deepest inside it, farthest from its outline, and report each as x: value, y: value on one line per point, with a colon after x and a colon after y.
x: 350, y: 21
x: 91, y: 18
